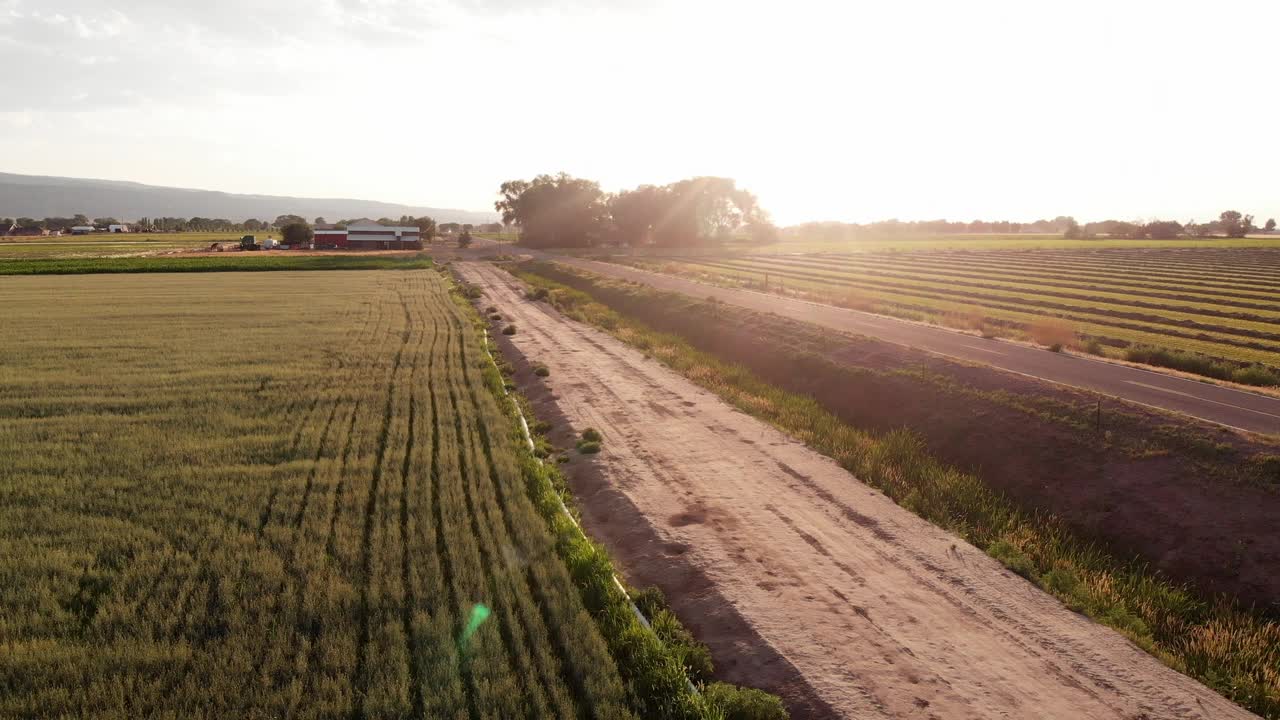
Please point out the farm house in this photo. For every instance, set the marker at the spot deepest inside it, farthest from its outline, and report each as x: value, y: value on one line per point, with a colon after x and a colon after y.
x: 371, y: 237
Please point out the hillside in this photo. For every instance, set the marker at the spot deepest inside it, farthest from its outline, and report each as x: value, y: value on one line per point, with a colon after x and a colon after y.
x: 43, y: 196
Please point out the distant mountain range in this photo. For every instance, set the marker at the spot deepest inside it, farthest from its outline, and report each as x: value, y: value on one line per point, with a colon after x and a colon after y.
x: 39, y: 196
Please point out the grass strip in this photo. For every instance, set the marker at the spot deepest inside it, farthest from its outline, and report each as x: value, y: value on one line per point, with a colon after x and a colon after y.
x: 1233, y: 650
x: 255, y: 262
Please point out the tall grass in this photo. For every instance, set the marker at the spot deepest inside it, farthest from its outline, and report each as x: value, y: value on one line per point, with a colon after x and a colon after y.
x: 1231, y: 649
x: 1198, y: 364
x: 1054, y: 333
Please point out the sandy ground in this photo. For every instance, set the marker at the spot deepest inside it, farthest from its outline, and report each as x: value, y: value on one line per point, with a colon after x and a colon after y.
x: 802, y: 579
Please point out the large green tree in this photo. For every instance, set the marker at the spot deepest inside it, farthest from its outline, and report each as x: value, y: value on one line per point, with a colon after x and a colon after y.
x: 296, y: 233
x: 554, y: 210
x: 1235, y: 224
x: 705, y: 208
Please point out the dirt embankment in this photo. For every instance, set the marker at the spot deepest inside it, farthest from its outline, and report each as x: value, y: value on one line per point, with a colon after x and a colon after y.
x: 1195, y: 500
x: 800, y: 578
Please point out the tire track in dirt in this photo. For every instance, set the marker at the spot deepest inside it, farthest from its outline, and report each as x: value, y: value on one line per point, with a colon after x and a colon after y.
x: 880, y: 613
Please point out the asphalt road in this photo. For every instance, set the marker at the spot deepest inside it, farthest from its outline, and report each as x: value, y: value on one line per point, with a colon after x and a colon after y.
x: 1214, y: 403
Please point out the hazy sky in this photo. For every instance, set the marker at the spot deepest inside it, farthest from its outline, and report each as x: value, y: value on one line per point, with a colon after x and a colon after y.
x: 827, y: 110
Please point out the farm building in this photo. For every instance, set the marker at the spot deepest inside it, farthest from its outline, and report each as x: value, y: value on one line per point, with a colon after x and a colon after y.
x: 118, y: 228
x: 82, y: 229
x: 371, y: 237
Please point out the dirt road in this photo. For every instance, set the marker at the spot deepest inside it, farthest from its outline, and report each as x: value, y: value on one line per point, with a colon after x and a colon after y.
x: 802, y: 579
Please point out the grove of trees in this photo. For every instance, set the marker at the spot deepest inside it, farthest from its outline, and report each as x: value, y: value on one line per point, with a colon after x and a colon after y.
x: 425, y: 224
x: 565, y: 211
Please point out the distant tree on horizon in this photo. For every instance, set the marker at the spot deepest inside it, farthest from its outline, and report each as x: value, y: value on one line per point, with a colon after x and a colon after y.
x: 296, y: 233
x: 1234, y: 224
x: 1271, y: 225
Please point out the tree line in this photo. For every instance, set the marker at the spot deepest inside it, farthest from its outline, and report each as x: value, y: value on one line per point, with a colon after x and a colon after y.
x: 426, y: 225
x: 565, y: 211
x: 1231, y: 223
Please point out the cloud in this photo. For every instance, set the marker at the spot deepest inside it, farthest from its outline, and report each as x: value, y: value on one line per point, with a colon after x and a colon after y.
x: 71, y: 54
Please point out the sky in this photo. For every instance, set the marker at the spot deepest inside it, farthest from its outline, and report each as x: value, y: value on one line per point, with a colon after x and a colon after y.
x: 835, y: 110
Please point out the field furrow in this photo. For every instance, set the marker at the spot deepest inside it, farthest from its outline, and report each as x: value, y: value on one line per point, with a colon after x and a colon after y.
x: 317, y: 512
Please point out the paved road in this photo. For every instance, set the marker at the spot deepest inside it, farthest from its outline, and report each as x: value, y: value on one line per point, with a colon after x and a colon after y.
x: 1215, y: 403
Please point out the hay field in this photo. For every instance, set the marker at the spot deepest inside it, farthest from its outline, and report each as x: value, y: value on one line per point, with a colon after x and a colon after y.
x: 1221, y: 305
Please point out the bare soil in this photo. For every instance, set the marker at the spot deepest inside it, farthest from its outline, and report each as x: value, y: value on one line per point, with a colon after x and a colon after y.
x: 801, y: 579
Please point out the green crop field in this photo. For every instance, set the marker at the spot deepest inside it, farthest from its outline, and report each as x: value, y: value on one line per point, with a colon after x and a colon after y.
x: 282, y: 495
x: 1218, y: 304
x: 112, y: 245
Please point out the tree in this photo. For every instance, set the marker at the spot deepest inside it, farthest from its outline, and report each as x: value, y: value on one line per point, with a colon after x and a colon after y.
x: 1234, y: 224
x: 464, y: 240
x: 296, y: 233
x: 634, y: 213
x: 426, y: 227
x: 763, y: 233
x: 283, y: 220
x: 1271, y: 225
x: 1072, y: 230
x: 554, y: 210
x: 704, y: 208
x: 106, y: 221
x: 1162, y: 229
x: 319, y: 221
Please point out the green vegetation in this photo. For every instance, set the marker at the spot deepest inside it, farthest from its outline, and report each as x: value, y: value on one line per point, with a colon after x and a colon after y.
x: 1213, y: 312
x: 564, y: 211
x: 1201, y: 365
x: 238, y: 495
x: 509, y: 330
x: 1233, y: 650
x: 236, y: 262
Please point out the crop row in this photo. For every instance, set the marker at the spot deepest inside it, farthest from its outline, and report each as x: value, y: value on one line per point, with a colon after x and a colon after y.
x: 1262, y: 319
x: 314, y: 510
x: 1148, y: 284
x: 942, y: 301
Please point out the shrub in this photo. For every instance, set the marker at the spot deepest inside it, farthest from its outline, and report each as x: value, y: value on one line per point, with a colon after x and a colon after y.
x: 855, y: 300
x: 1255, y: 375
x: 472, y: 292
x: 509, y: 330
x: 1053, y: 333
x: 592, y: 435
x: 588, y: 447
x: 1011, y: 557
x: 1198, y: 364
x: 491, y: 309
x: 541, y: 370
x: 1093, y: 346
x: 971, y: 319
x: 495, y: 316
x: 694, y: 656
x: 536, y: 294
x: 744, y: 703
